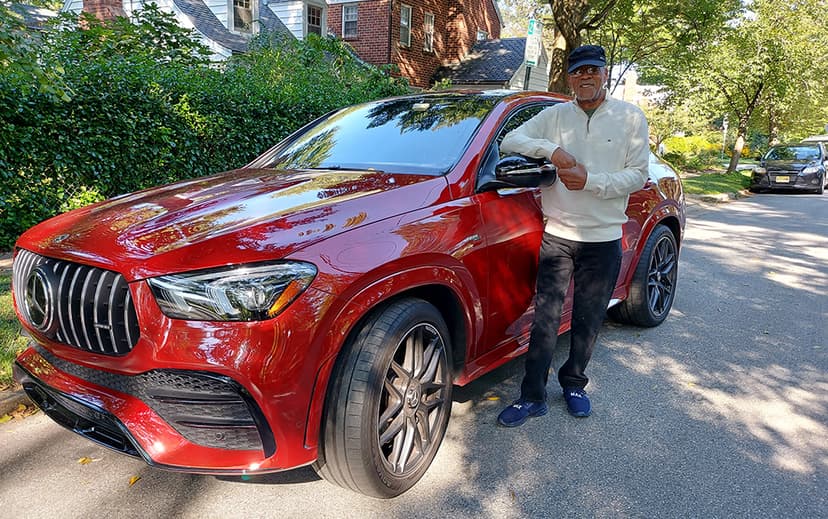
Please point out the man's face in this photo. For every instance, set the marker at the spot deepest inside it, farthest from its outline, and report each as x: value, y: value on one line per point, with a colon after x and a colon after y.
x: 588, y: 82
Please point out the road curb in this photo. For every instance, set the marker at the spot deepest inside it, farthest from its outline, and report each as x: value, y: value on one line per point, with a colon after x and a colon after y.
x: 718, y: 198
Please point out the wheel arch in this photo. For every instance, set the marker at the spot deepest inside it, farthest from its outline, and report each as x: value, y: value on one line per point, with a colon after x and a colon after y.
x: 669, y: 216
x: 459, y: 315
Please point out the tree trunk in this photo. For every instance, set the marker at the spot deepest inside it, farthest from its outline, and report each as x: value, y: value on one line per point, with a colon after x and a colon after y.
x: 568, y: 16
x: 737, y: 152
x: 557, y: 65
x: 773, y: 127
x: 741, y: 133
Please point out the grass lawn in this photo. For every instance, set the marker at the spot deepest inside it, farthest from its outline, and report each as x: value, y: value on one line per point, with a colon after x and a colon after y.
x: 11, y: 342
x: 711, y: 183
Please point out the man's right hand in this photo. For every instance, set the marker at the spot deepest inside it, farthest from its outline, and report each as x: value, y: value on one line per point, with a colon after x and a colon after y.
x: 561, y: 159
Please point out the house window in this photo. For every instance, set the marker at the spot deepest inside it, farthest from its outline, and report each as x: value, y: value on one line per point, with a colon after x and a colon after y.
x: 428, y: 31
x: 314, y: 20
x: 482, y: 35
x: 405, y: 26
x: 349, y: 21
x: 244, y: 17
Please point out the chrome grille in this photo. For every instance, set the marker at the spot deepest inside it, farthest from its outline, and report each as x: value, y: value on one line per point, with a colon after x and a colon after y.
x: 85, y: 307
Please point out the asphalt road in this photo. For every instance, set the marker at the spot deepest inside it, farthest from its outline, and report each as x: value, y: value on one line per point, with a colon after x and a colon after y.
x: 722, y: 411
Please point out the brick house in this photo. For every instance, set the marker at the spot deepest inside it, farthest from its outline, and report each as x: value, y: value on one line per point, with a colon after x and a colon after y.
x: 418, y: 36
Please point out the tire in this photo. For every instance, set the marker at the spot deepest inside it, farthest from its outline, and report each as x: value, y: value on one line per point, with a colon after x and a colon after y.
x: 388, y: 402
x: 653, y: 284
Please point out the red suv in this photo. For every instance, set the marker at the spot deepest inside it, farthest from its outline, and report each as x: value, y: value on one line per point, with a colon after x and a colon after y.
x: 317, y: 305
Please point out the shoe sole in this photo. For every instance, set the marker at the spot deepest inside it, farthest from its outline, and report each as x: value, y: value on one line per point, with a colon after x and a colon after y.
x: 580, y: 414
x: 518, y: 424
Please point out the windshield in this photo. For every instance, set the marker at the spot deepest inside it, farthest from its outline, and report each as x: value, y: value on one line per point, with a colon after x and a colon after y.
x: 803, y: 153
x: 420, y: 135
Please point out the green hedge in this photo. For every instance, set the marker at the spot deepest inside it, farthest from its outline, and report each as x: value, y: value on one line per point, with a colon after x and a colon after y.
x: 116, y: 107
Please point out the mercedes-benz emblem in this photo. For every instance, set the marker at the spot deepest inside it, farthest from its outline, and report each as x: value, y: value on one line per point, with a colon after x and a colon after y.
x: 39, y: 300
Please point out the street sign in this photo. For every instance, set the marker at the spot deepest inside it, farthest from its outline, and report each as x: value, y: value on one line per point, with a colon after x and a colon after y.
x: 532, y: 52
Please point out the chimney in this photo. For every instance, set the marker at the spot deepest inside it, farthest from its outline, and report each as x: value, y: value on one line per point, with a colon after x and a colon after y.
x: 104, y: 9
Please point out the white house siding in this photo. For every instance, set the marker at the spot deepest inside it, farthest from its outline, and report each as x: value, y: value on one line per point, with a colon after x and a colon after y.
x: 72, y: 6
x: 538, y: 76
x: 292, y: 15
x: 220, y: 8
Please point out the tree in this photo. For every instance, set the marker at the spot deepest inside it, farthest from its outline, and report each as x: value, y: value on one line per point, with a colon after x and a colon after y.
x: 21, y: 64
x: 637, y: 31
x: 516, y: 14
x: 571, y: 17
x: 746, y: 71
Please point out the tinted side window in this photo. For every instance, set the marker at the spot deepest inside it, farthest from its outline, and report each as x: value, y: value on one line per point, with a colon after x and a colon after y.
x: 486, y: 172
x: 518, y: 118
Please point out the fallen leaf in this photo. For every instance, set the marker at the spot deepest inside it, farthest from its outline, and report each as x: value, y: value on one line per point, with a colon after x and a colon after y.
x: 133, y: 480
x: 5, y: 418
x: 85, y: 460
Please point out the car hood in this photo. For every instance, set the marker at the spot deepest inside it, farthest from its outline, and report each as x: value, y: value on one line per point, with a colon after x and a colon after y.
x: 789, y: 165
x: 239, y: 216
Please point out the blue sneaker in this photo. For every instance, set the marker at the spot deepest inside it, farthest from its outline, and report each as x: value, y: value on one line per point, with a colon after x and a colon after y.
x: 517, y: 413
x: 577, y: 402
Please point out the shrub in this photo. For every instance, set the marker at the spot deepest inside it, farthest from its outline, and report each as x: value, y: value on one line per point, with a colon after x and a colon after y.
x: 144, y: 107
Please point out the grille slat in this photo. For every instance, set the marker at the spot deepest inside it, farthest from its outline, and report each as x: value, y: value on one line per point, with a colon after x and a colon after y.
x: 99, y: 307
x: 86, y: 311
x: 128, y: 328
x: 93, y: 307
x: 73, y: 303
x: 112, y: 314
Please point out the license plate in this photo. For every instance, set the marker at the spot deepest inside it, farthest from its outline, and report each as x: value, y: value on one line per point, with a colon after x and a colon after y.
x: 784, y: 179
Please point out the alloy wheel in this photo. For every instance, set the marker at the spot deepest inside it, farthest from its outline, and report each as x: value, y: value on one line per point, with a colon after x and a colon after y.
x: 412, y: 402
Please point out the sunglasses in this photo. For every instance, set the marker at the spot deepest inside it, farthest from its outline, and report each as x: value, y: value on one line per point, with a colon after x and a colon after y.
x: 591, y: 71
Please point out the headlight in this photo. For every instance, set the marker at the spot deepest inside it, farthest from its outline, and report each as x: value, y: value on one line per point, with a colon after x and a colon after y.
x: 760, y: 170
x: 810, y: 169
x: 241, y: 293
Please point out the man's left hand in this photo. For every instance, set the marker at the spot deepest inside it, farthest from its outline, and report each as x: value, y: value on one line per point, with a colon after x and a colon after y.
x: 573, y: 178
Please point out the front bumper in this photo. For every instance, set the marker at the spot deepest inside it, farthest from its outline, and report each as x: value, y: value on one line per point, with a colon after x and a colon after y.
x: 786, y: 180
x: 185, y: 421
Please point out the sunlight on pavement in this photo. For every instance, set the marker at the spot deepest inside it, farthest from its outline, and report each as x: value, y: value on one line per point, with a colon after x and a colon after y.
x: 768, y: 405
x: 772, y: 414
x: 793, y: 266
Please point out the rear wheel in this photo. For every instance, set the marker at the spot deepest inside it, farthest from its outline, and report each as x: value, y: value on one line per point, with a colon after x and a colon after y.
x: 388, y: 402
x: 653, y: 284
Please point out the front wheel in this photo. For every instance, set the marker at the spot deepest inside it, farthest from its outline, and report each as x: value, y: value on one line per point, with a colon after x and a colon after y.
x: 388, y: 402
x: 653, y: 286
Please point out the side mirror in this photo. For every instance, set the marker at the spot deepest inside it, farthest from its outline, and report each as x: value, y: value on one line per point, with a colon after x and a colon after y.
x: 520, y: 171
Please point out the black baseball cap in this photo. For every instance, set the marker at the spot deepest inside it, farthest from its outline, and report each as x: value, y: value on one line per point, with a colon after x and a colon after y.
x: 587, y: 55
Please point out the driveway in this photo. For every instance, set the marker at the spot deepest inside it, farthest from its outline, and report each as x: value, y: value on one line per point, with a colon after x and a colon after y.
x: 722, y: 411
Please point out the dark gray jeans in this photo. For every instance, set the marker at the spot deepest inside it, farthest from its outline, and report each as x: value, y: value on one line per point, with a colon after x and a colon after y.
x: 594, y: 267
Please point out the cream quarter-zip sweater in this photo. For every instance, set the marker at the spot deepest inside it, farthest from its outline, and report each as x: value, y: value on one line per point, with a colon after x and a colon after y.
x: 613, y: 145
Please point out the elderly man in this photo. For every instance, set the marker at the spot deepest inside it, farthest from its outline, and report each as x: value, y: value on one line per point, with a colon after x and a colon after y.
x: 600, y: 148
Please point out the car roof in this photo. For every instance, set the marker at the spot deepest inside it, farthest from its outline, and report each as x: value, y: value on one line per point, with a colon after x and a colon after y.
x: 499, y: 94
